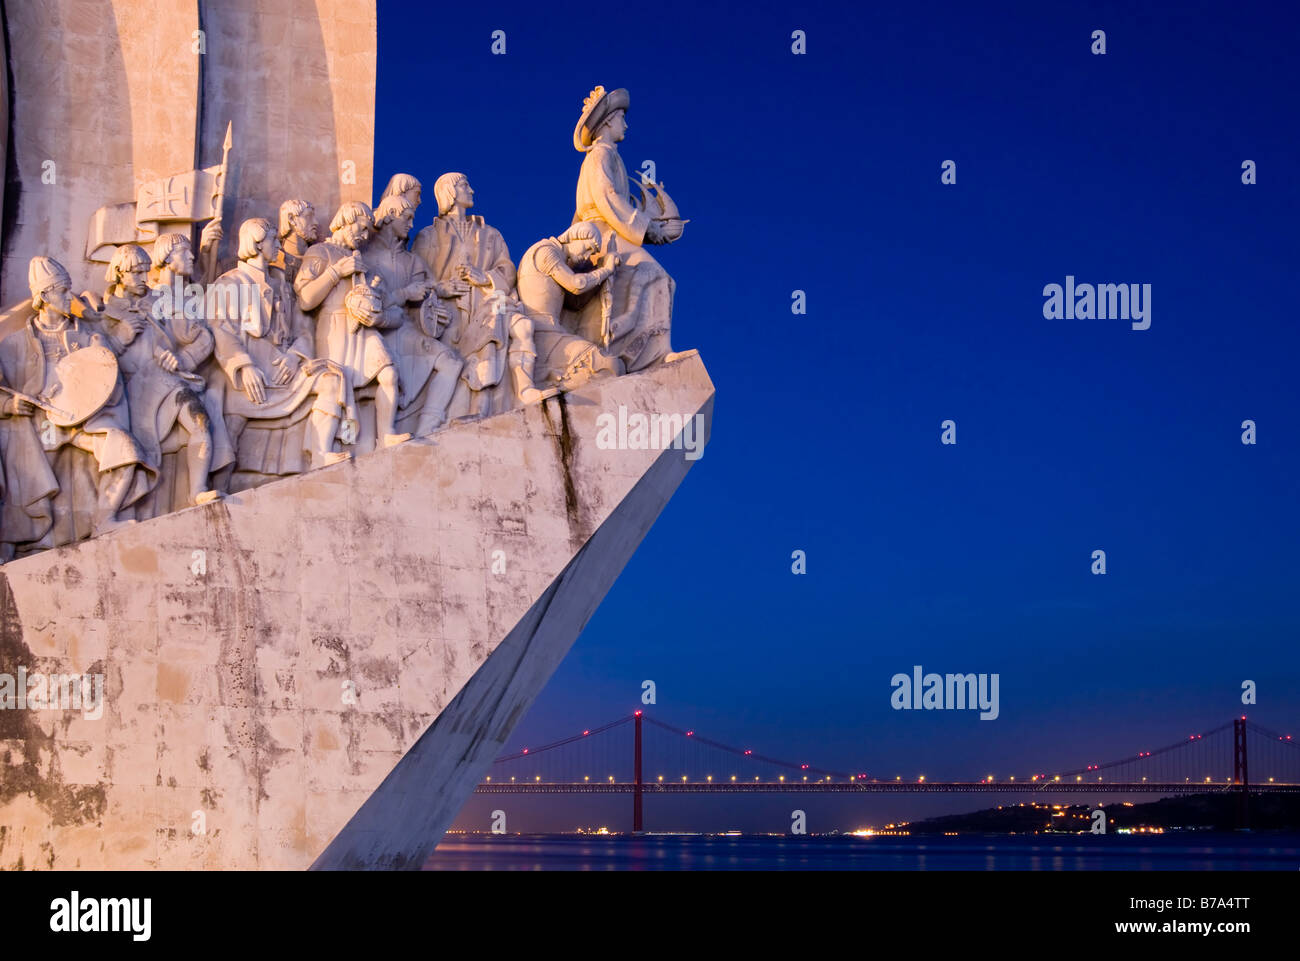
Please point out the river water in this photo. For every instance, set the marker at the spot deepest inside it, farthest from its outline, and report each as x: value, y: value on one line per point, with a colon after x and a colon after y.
x: 1199, y: 851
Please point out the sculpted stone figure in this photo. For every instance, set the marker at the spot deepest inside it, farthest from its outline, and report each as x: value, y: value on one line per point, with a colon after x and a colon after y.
x: 126, y: 302
x: 329, y: 271
x: 428, y: 370
x: 310, y: 332
x: 268, y: 374
x: 472, y: 269
x: 159, y: 356
x: 27, y: 484
x: 550, y: 270
x: 181, y: 308
x: 405, y: 186
x: 298, y: 231
x: 637, y: 322
x: 83, y: 423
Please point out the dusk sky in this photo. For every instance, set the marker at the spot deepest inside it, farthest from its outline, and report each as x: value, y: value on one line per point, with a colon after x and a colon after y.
x: 821, y: 172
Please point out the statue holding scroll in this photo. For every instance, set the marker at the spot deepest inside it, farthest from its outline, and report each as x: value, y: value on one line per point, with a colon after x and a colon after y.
x: 269, y: 376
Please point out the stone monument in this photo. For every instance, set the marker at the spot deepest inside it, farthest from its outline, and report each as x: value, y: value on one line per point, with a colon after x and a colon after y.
x: 296, y: 528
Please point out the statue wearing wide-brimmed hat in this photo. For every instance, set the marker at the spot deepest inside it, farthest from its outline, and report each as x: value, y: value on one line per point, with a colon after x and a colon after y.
x: 634, y: 320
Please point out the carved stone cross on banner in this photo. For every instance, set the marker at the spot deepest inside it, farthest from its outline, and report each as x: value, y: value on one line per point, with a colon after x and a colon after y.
x: 173, y: 190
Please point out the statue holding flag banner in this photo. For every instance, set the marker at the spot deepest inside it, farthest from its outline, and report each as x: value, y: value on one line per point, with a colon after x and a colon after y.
x: 186, y: 198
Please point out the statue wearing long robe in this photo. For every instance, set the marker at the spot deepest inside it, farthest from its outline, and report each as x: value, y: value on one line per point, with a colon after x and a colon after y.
x: 86, y: 459
x: 275, y: 437
x: 420, y: 357
x: 27, y: 485
x: 355, y: 347
x: 160, y: 400
x: 478, y: 329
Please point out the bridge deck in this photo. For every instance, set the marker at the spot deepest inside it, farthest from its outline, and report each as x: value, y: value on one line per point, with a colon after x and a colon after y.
x: 875, y: 787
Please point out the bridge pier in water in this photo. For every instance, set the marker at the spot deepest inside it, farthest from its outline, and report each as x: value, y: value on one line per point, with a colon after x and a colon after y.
x: 1240, y: 774
x: 638, y: 824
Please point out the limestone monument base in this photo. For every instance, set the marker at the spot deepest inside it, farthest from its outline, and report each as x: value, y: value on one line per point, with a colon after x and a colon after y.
x: 317, y: 672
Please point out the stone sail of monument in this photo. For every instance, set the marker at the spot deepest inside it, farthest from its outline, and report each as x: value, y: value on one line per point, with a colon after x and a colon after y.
x: 137, y: 98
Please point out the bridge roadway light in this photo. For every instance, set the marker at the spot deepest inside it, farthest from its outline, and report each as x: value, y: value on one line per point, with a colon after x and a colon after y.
x: 733, y: 777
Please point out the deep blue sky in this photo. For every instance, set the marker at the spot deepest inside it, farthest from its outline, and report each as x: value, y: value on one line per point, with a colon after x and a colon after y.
x: 822, y: 172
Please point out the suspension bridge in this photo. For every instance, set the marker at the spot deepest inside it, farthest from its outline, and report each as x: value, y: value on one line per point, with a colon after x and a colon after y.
x: 1238, y: 756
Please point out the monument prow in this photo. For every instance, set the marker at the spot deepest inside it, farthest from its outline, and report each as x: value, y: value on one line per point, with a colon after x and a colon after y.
x: 318, y: 671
